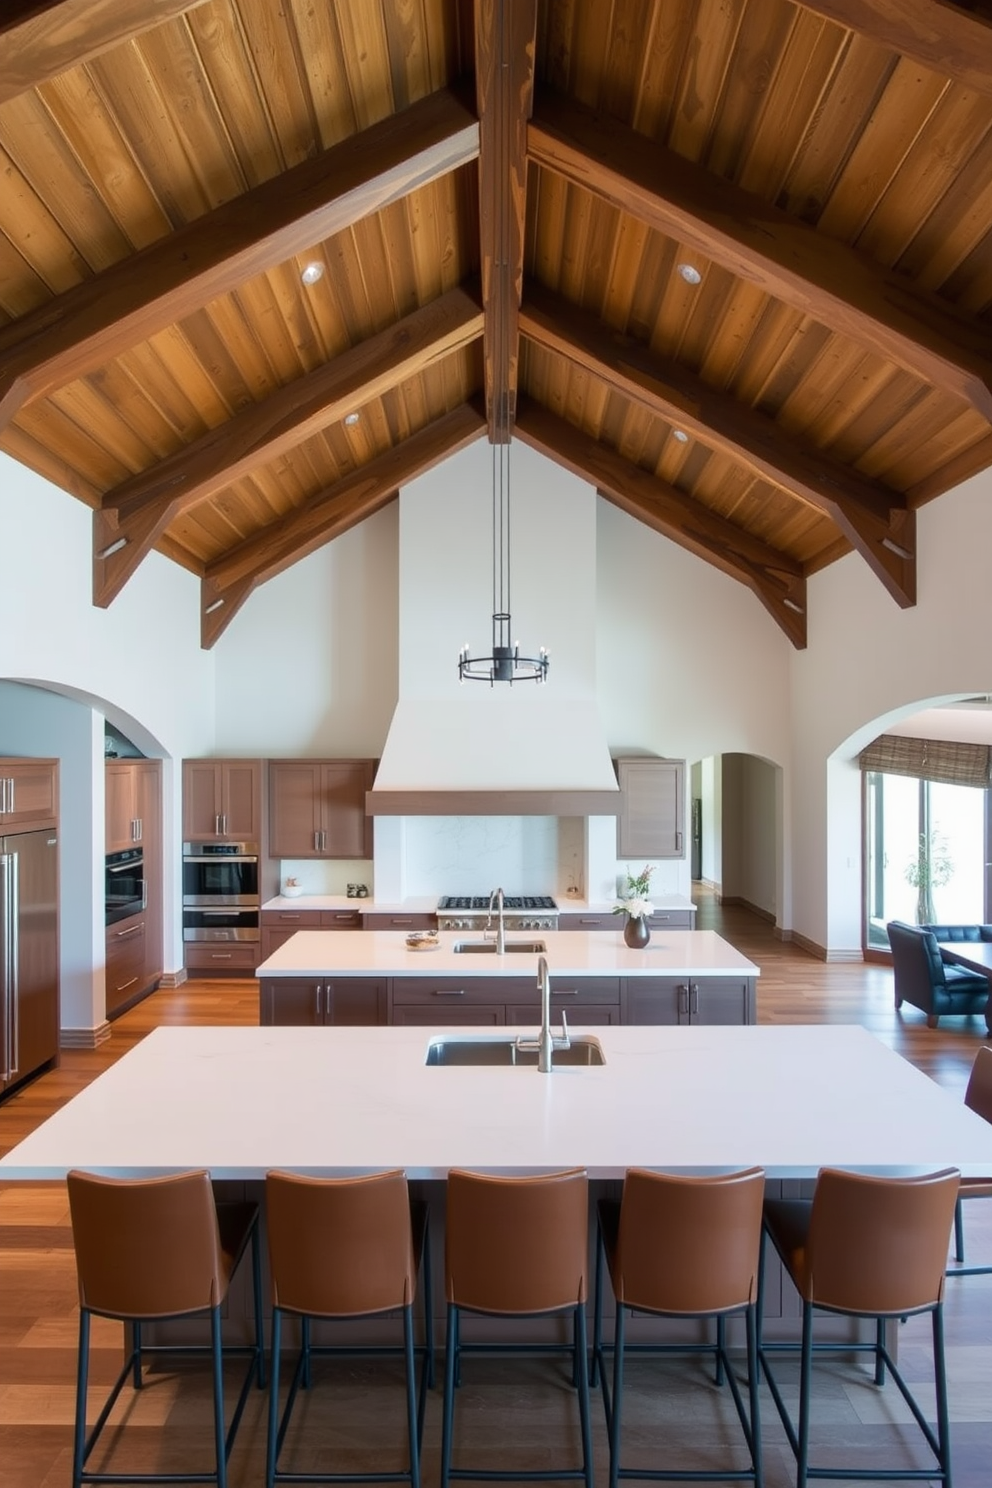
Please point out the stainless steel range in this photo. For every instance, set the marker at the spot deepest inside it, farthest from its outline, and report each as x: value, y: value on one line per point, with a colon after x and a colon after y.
x: 520, y: 912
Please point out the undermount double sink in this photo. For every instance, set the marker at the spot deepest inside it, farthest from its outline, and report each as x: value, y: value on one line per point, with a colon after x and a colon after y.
x: 488, y: 947
x: 458, y: 1050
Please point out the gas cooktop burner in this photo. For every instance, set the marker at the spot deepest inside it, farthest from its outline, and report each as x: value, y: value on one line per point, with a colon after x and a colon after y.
x: 466, y: 902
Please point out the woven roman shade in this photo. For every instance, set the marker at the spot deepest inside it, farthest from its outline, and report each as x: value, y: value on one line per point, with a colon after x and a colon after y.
x: 947, y: 761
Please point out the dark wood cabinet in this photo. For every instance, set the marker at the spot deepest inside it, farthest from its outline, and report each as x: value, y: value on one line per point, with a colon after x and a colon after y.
x: 29, y: 794
x: 687, y: 1000
x: 317, y: 808
x: 125, y: 977
x: 491, y: 1002
x: 134, y: 819
x: 383, y: 920
x: 279, y: 924
x: 651, y: 821
x: 223, y: 800
x: 310, y: 1002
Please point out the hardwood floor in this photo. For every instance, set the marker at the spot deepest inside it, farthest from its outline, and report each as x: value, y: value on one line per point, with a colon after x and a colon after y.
x: 505, y: 1417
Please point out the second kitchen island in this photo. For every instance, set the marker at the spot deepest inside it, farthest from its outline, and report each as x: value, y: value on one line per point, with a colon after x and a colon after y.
x: 372, y: 977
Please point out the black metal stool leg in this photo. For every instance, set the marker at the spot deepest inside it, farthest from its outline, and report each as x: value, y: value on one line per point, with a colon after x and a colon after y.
x: 82, y: 1376
x: 448, y: 1410
x: 270, y: 1452
x: 220, y: 1443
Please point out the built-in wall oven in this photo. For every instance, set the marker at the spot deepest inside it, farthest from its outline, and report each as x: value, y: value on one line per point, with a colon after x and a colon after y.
x: 124, y: 880
x: 221, y: 892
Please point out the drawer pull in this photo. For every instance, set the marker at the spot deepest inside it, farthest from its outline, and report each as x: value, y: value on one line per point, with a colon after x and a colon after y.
x: 401, y: 920
x: 134, y: 930
x: 564, y: 991
x: 449, y: 991
x: 123, y: 986
x: 283, y: 916
x: 220, y: 955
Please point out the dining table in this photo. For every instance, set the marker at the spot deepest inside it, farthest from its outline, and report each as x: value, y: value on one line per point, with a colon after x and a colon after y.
x: 974, y: 955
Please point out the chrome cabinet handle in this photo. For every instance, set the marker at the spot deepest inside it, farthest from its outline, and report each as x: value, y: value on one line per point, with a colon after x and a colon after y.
x: 123, y: 934
x: 683, y: 998
x: 9, y: 965
x: 319, y: 990
x: 123, y: 986
x: 694, y: 1000
x: 449, y: 991
x: 316, y: 842
x: 220, y: 955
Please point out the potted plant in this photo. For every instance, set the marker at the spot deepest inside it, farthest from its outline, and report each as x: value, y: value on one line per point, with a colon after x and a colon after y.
x: 635, y: 904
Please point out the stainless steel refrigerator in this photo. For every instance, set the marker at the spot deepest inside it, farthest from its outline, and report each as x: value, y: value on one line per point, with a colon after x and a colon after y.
x: 29, y: 955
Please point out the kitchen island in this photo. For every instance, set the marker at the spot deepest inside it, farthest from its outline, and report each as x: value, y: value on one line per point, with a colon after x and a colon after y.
x: 681, y: 977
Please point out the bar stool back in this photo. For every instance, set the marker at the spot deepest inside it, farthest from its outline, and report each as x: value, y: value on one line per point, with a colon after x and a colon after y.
x: 978, y: 1098
x: 873, y: 1248
x: 153, y: 1249
x: 346, y: 1248
x: 516, y: 1247
x: 682, y: 1247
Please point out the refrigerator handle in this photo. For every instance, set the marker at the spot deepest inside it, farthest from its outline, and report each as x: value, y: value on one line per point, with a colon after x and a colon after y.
x: 9, y: 962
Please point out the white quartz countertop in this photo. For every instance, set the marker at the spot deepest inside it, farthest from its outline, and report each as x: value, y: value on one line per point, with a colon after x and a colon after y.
x: 239, y: 1101
x: 423, y: 904
x: 569, y: 905
x: 691, y: 953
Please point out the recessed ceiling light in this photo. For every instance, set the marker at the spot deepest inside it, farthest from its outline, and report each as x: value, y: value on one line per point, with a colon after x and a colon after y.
x: 351, y: 419
x: 680, y: 435
x: 312, y: 272
x: 690, y: 273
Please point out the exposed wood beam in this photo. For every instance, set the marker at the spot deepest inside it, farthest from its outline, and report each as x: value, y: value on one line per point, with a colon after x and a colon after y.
x: 228, y: 582
x: 938, y: 34
x: 106, y: 315
x: 774, y: 577
x: 790, y: 260
x: 505, y: 41
x: 875, y: 520
x: 138, y: 511
x: 41, y: 38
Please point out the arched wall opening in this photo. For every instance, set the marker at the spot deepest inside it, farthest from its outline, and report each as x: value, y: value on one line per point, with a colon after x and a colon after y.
x: 44, y: 718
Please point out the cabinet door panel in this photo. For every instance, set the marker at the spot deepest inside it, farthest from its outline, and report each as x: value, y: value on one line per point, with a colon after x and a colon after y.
x: 722, y: 1000
x: 356, y: 1001
x: 241, y: 800
x: 659, y: 1000
x: 472, y: 1015
x: 347, y: 830
x: 201, y: 799
x: 652, y: 808
x: 294, y: 809
x: 290, y: 1002
x: 31, y: 796
x: 121, y: 809
x: 125, y: 969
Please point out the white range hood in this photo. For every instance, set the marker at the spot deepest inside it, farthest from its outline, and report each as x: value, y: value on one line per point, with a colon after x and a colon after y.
x: 458, y: 748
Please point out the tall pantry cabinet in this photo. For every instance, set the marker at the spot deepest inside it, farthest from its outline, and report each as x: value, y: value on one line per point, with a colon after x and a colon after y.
x: 134, y: 820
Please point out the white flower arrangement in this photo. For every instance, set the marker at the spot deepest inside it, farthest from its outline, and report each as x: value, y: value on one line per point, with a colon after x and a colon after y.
x: 635, y: 902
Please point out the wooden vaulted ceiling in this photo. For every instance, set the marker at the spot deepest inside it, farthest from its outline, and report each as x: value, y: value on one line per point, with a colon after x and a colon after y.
x: 502, y: 197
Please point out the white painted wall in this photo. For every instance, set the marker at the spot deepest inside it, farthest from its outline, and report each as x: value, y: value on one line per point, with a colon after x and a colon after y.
x: 867, y: 664
x: 138, y: 663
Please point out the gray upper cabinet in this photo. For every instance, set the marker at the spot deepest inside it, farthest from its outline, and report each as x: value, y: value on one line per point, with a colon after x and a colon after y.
x: 651, y: 823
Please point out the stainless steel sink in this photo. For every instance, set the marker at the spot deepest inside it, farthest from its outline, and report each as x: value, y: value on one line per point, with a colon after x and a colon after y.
x: 504, y: 1051
x: 488, y: 947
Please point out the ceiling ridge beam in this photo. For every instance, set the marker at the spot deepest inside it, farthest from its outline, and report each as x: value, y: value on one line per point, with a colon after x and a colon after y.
x: 819, y: 276
x: 135, y: 514
x: 505, y: 45
x: 106, y: 315
x: 228, y: 581
x: 873, y: 518
x: 39, y: 40
x: 937, y: 34
x: 773, y: 576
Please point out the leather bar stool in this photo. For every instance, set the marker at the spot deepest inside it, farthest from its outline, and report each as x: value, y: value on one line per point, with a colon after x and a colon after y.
x: 516, y: 1247
x: 682, y: 1247
x: 874, y: 1248
x: 153, y: 1249
x: 345, y: 1249
x: 978, y: 1098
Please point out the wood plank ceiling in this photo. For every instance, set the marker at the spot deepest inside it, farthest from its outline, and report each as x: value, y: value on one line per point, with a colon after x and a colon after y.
x: 507, y: 202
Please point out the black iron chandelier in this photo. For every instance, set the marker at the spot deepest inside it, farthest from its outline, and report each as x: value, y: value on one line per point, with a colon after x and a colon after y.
x: 504, y: 663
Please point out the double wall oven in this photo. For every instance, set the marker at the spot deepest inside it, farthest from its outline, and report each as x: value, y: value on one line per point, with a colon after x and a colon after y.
x: 221, y: 891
